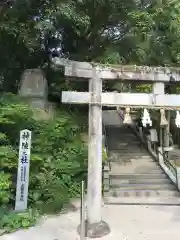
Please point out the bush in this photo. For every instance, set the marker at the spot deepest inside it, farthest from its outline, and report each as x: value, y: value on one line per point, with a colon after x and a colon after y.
x: 12, y: 221
x: 58, y: 161
x: 58, y: 156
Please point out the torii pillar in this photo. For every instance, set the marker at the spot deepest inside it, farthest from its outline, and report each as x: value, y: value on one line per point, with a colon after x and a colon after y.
x: 96, y: 228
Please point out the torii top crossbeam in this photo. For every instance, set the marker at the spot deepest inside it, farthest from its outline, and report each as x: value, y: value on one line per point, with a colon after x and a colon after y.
x: 158, y: 76
x: 122, y: 72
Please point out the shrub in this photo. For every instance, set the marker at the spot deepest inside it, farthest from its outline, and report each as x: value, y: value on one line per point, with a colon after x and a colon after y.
x: 12, y: 221
x: 58, y: 157
x: 58, y: 162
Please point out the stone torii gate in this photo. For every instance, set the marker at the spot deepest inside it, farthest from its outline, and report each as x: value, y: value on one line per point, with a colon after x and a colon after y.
x: 95, y: 73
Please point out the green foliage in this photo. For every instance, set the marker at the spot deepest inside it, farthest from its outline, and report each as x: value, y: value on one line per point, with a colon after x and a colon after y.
x: 156, y: 34
x: 5, y: 187
x: 144, y: 88
x: 12, y: 221
x: 87, y: 30
x: 107, y: 31
x: 58, y: 159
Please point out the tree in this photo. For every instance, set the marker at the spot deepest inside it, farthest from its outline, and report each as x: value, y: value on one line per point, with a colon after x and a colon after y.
x: 108, y: 31
x: 155, y: 32
x: 31, y: 31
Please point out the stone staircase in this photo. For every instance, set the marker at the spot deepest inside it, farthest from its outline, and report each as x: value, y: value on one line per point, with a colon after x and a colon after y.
x: 134, y: 176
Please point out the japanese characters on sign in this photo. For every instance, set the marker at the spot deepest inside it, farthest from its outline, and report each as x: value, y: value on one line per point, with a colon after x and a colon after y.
x: 23, y: 170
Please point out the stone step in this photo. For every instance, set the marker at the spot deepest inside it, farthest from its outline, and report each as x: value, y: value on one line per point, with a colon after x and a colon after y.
x: 121, y: 135
x: 142, y: 186
x: 129, y: 167
x: 132, y: 156
x: 134, y: 162
x: 125, y: 137
x: 135, y: 146
x: 154, y: 200
x: 123, y: 140
x: 115, y: 147
x: 121, y: 132
x: 131, y: 164
x: 126, y: 169
x: 123, y: 146
x: 134, y: 176
x: 117, y: 159
x: 153, y: 181
x: 142, y: 193
x: 129, y: 150
x: 127, y: 142
x: 121, y: 128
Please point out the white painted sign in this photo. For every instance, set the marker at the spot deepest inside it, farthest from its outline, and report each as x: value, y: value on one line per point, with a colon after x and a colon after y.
x: 23, y: 170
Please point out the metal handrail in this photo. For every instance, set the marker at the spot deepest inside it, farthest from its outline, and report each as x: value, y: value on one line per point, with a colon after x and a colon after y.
x: 166, y: 161
x: 168, y: 164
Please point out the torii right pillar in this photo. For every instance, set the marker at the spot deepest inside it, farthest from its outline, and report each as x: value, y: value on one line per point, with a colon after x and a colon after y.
x: 158, y: 88
x: 167, y: 130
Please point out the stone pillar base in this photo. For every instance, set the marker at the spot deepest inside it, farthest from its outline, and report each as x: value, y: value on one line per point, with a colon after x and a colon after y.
x: 95, y: 230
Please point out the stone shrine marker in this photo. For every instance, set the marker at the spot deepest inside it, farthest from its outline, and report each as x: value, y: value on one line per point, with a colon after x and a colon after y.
x: 23, y: 170
x: 34, y: 87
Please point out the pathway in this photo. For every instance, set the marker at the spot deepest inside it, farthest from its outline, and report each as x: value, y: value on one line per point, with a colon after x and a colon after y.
x: 126, y: 223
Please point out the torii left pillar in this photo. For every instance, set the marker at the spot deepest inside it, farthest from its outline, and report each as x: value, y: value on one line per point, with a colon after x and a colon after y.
x: 96, y: 228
